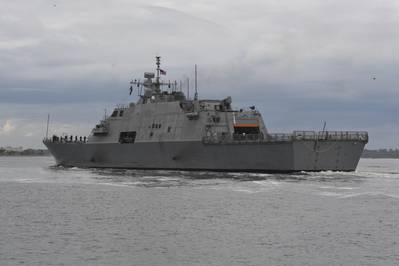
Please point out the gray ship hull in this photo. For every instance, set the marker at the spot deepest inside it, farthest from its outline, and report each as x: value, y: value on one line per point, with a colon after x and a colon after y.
x: 286, y: 156
x: 167, y: 130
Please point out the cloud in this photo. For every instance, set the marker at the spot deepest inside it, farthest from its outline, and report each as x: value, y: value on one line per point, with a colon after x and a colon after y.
x: 7, y: 128
x: 299, y: 62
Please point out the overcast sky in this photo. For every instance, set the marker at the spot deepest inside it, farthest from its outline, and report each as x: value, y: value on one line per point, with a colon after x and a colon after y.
x: 301, y: 62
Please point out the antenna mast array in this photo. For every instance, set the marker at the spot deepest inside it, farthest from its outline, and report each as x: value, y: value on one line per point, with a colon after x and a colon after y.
x: 158, y: 63
x: 155, y: 86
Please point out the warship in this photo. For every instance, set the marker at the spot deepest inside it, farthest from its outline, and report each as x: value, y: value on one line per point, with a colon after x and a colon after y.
x: 165, y: 129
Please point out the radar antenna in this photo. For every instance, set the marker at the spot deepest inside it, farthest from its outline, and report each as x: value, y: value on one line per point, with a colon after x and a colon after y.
x: 152, y: 85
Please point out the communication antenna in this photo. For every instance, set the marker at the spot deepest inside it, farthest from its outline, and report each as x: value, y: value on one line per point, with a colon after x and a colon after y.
x: 324, y: 126
x: 139, y: 88
x: 322, y: 136
x: 324, y: 129
x: 196, y: 88
x: 48, y: 122
x: 188, y: 88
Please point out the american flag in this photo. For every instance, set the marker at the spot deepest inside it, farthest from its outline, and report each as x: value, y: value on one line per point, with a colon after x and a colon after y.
x: 162, y: 72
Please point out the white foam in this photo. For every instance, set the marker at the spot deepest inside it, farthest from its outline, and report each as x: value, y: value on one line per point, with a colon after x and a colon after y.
x: 338, y: 188
x: 166, y: 178
x: 267, y: 182
x: 330, y: 194
x: 245, y: 190
x: 374, y: 194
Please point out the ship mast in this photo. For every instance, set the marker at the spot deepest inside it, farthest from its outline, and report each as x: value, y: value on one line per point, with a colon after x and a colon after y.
x: 196, y: 89
x: 158, y: 63
x: 153, y: 87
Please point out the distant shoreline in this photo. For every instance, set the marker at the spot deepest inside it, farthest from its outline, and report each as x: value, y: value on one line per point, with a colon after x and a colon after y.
x: 27, y: 152
x: 381, y: 153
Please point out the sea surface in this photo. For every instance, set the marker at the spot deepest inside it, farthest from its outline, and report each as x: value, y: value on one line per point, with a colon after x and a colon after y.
x: 70, y: 216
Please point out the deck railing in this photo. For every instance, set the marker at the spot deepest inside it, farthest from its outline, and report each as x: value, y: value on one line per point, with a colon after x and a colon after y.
x: 284, y: 137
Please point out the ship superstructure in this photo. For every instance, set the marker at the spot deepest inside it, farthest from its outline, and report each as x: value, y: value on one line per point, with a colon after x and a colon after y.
x: 166, y: 130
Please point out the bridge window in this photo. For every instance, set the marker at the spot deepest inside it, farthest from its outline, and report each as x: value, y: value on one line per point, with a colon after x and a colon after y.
x: 127, y: 137
x: 114, y: 113
x: 215, y: 119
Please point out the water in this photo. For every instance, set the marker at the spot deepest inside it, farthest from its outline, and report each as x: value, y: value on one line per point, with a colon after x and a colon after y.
x: 72, y: 216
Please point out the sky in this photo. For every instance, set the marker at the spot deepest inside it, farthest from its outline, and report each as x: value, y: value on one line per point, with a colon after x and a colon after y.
x: 300, y: 62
